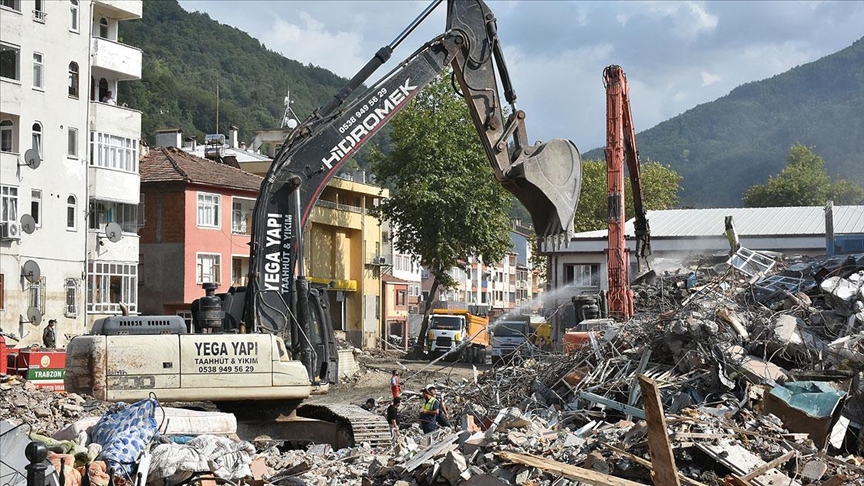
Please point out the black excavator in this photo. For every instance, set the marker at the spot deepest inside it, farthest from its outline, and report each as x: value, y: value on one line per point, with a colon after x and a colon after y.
x: 263, y: 349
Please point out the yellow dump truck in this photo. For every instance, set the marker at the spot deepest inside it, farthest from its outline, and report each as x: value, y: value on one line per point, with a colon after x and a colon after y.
x: 540, y: 329
x: 451, y: 328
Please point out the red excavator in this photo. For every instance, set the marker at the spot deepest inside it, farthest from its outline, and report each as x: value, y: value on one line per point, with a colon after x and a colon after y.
x: 621, y: 147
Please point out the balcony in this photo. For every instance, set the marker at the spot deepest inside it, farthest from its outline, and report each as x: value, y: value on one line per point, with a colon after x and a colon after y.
x: 121, y: 9
x: 114, y: 185
x: 9, y: 169
x: 122, y: 61
x: 11, y: 23
x: 116, y: 120
x: 341, y: 215
x: 10, y: 101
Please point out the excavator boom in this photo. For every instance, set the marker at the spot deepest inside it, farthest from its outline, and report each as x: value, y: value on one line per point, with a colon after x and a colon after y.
x: 621, y: 149
x: 544, y: 177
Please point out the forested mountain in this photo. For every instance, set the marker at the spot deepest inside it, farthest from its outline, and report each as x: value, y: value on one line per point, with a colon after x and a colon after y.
x: 720, y: 148
x: 187, y: 54
x: 725, y: 146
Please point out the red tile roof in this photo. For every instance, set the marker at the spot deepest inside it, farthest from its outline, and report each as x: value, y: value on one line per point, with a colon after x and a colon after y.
x: 170, y: 164
x: 391, y: 279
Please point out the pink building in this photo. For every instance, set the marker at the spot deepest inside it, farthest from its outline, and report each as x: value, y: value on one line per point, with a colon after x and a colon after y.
x: 197, y: 221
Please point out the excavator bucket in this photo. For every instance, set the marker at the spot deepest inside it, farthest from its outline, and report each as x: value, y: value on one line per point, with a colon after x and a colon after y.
x: 549, y: 185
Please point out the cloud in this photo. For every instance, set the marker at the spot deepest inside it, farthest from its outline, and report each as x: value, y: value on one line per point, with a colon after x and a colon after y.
x: 708, y: 79
x: 683, y: 20
x: 676, y: 54
x: 308, y: 41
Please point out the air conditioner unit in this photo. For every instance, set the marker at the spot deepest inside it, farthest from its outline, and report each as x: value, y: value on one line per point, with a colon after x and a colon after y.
x: 10, y: 230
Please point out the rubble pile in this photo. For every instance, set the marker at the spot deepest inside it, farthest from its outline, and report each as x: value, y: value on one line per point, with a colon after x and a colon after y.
x: 21, y: 402
x: 730, y: 374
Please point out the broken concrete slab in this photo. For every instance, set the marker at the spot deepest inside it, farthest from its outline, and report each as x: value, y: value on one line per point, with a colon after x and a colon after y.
x: 454, y: 468
x: 741, y: 461
x: 756, y: 369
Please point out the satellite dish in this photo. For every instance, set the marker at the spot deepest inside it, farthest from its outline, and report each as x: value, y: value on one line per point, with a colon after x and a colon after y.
x: 31, y: 271
x: 292, y: 123
x: 32, y: 158
x: 113, y: 232
x: 34, y: 316
x: 28, y: 224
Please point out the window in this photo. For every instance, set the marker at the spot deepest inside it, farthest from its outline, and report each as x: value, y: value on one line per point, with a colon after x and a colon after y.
x: 187, y: 318
x: 71, y: 205
x: 13, y: 4
x: 208, y: 209
x: 8, y: 204
x: 2, y: 292
x: 113, y: 152
x: 238, y: 222
x: 37, y: 295
x: 110, y: 284
x: 10, y: 61
x: 73, y: 79
x: 209, y: 268
x: 103, y: 89
x: 36, y: 206
x: 73, y: 15
x: 37, y: 137
x: 39, y: 11
x: 71, y: 287
x: 141, y: 219
x: 72, y: 146
x: 6, y: 139
x: 37, y: 70
x: 104, y: 212
x: 587, y: 275
x: 103, y: 28
x: 238, y: 272
x: 401, y: 300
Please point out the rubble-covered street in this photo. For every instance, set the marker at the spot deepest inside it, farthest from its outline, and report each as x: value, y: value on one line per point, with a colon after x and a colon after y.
x: 726, y: 376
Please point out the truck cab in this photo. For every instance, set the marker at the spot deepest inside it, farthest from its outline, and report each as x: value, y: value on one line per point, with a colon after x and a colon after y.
x: 511, y: 336
x: 449, y: 329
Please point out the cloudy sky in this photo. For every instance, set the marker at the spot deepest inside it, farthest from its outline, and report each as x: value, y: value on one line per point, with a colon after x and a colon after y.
x: 676, y: 54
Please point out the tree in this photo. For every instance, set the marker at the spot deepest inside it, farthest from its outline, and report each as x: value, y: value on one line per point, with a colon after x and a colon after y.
x: 660, y: 185
x: 803, y: 182
x: 445, y: 204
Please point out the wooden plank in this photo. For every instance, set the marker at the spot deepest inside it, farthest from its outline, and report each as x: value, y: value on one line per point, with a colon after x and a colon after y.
x: 575, y: 473
x: 441, y: 447
x: 735, y: 481
x: 647, y: 464
x: 663, y: 470
x: 835, y: 481
x: 741, y: 461
x: 768, y: 466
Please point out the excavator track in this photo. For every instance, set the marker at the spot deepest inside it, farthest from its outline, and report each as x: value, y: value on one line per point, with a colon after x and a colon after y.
x: 340, y: 425
x: 365, y: 426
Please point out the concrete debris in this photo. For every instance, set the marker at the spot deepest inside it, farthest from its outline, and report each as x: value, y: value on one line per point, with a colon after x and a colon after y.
x: 756, y: 374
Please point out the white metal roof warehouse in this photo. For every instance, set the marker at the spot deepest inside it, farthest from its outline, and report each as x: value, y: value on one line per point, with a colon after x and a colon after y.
x: 678, y: 233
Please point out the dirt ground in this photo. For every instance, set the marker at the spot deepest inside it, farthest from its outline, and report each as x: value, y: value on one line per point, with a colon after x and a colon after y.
x: 373, y: 380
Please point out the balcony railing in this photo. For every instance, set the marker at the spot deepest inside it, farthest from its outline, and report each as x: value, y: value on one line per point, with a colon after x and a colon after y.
x: 122, y: 60
x: 239, y: 225
x: 39, y: 16
x: 339, y: 207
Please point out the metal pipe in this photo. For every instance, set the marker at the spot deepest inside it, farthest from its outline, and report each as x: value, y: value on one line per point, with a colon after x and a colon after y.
x: 413, y: 25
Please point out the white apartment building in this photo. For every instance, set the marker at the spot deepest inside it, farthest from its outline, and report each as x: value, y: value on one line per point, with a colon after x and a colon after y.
x: 68, y: 165
x: 501, y: 286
